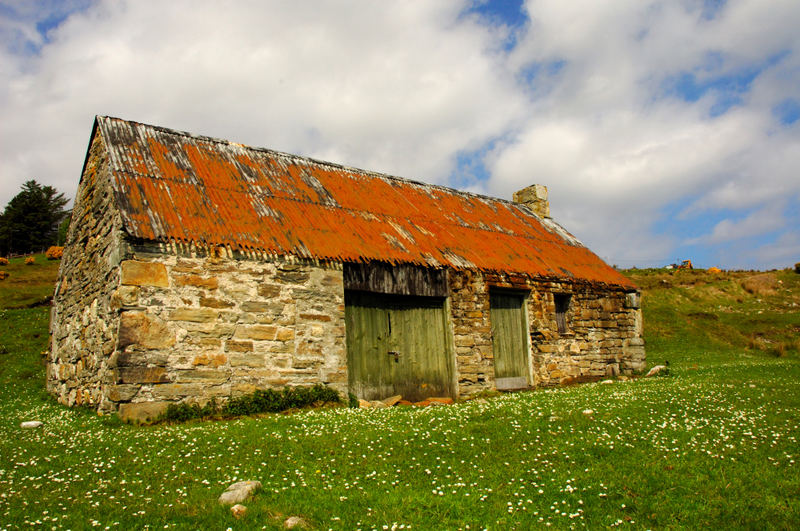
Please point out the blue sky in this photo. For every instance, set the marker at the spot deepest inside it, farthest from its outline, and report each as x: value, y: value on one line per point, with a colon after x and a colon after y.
x: 664, y: 130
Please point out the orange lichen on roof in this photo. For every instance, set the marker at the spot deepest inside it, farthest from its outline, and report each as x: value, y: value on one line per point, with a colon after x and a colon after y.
x: 175, y: 186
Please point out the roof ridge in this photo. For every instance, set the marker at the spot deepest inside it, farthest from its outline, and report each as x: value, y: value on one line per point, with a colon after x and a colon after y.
x: 353, y: 169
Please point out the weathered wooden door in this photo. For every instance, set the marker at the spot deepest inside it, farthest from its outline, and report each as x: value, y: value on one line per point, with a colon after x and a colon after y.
x: 397, y: 345
x: 509, y: 340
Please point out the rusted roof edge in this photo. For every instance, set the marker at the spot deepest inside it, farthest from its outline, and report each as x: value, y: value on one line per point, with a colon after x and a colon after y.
x: 89, y: 147
x: 245, y: 249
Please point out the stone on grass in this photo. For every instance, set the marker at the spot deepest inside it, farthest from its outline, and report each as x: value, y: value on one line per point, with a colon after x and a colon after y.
x: 655, y: 370
x: 607, y: 382
x: 31, y: 424
x: 238, y: 510
x: 295, y: 521
x: 239, y: 492
x: 441, y: 400
x: 364, y: 403
x: 377, y: 404
x: 392, y: 400
x: 588, y: 412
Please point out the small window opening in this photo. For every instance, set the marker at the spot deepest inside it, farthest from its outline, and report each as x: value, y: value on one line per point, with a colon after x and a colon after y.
x: 562, y: 307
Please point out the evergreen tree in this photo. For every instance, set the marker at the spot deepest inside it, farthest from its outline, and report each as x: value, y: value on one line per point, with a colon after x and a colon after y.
x: 31, y: 219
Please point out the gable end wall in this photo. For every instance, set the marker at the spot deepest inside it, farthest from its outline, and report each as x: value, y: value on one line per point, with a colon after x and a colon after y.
x: 83, y: 323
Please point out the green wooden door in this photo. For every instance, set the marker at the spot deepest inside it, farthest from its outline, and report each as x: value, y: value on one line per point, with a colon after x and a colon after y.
x: 397, y: 345
x: 509, y: 340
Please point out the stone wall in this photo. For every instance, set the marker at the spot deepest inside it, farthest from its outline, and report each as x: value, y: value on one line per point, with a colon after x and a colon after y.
x: 472, y: 332
x: 84, y: 323
x: 603, y: 336
x: 134, y: 327
x: 138, y: 325
x: 200, y: 328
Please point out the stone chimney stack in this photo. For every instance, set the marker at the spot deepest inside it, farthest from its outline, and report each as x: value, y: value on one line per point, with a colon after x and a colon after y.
x: 535, y: 198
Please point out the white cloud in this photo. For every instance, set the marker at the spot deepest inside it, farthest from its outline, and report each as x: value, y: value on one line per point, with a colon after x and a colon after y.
x: 404, y: 87
x: 617, y: 148
x: 398, y: 87
x: 780, y: 254
x: 755, y: 224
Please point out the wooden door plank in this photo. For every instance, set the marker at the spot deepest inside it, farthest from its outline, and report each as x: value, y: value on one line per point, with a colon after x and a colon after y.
x: 415, y: 327
x: 509, y: 339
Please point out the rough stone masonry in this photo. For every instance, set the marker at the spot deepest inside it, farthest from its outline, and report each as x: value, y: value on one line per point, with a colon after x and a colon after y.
x: 137, y: 324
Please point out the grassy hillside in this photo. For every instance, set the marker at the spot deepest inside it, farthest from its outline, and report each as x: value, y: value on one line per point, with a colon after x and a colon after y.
x: 713, y: 444
x: 28, y: 285
x: 729, y: 315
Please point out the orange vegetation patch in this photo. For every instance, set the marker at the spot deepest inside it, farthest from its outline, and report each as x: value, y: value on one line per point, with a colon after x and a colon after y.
x: 54, y: 252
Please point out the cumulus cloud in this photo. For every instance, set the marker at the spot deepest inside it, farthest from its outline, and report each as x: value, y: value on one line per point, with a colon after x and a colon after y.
x: 656, y: 124
x: 783, y: 251
x: 755, y: 224
x: 399, y: 87
x: 655, y: 104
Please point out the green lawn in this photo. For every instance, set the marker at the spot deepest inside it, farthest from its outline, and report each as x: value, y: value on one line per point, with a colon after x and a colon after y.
x: 712, y: 445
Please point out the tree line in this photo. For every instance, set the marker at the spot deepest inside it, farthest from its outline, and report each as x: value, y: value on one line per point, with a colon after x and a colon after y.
x: 33, y: 220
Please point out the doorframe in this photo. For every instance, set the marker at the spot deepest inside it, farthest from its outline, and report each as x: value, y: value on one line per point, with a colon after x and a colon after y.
x: 451, y: 347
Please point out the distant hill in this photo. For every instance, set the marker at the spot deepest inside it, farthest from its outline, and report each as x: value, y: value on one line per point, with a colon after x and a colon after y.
x: 758, y: 312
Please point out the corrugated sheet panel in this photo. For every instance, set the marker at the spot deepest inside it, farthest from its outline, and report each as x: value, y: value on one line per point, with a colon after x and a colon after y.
x: 172, y: 185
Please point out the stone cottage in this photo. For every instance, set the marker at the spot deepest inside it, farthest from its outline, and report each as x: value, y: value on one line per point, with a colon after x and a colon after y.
x: 199, y: 268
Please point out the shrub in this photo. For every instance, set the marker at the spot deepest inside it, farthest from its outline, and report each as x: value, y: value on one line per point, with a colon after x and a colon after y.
x: 184, y: 412
x: 763, y: 284
x: 272, y: 401
x: 797, y: 268
x: 54, y: 252
x: 30, y: 260
x: 779, y: 350
x: 4, y: 261
x: 260, y: 401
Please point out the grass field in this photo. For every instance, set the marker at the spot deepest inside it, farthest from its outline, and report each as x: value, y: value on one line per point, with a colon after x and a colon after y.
x: 28, y: 285
x: 715, y: 444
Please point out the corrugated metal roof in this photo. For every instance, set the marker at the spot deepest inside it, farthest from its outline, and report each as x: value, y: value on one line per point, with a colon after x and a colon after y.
x: 171, y: 185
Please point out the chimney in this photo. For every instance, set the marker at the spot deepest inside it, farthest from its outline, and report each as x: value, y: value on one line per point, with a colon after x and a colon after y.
x: 535, y: 198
